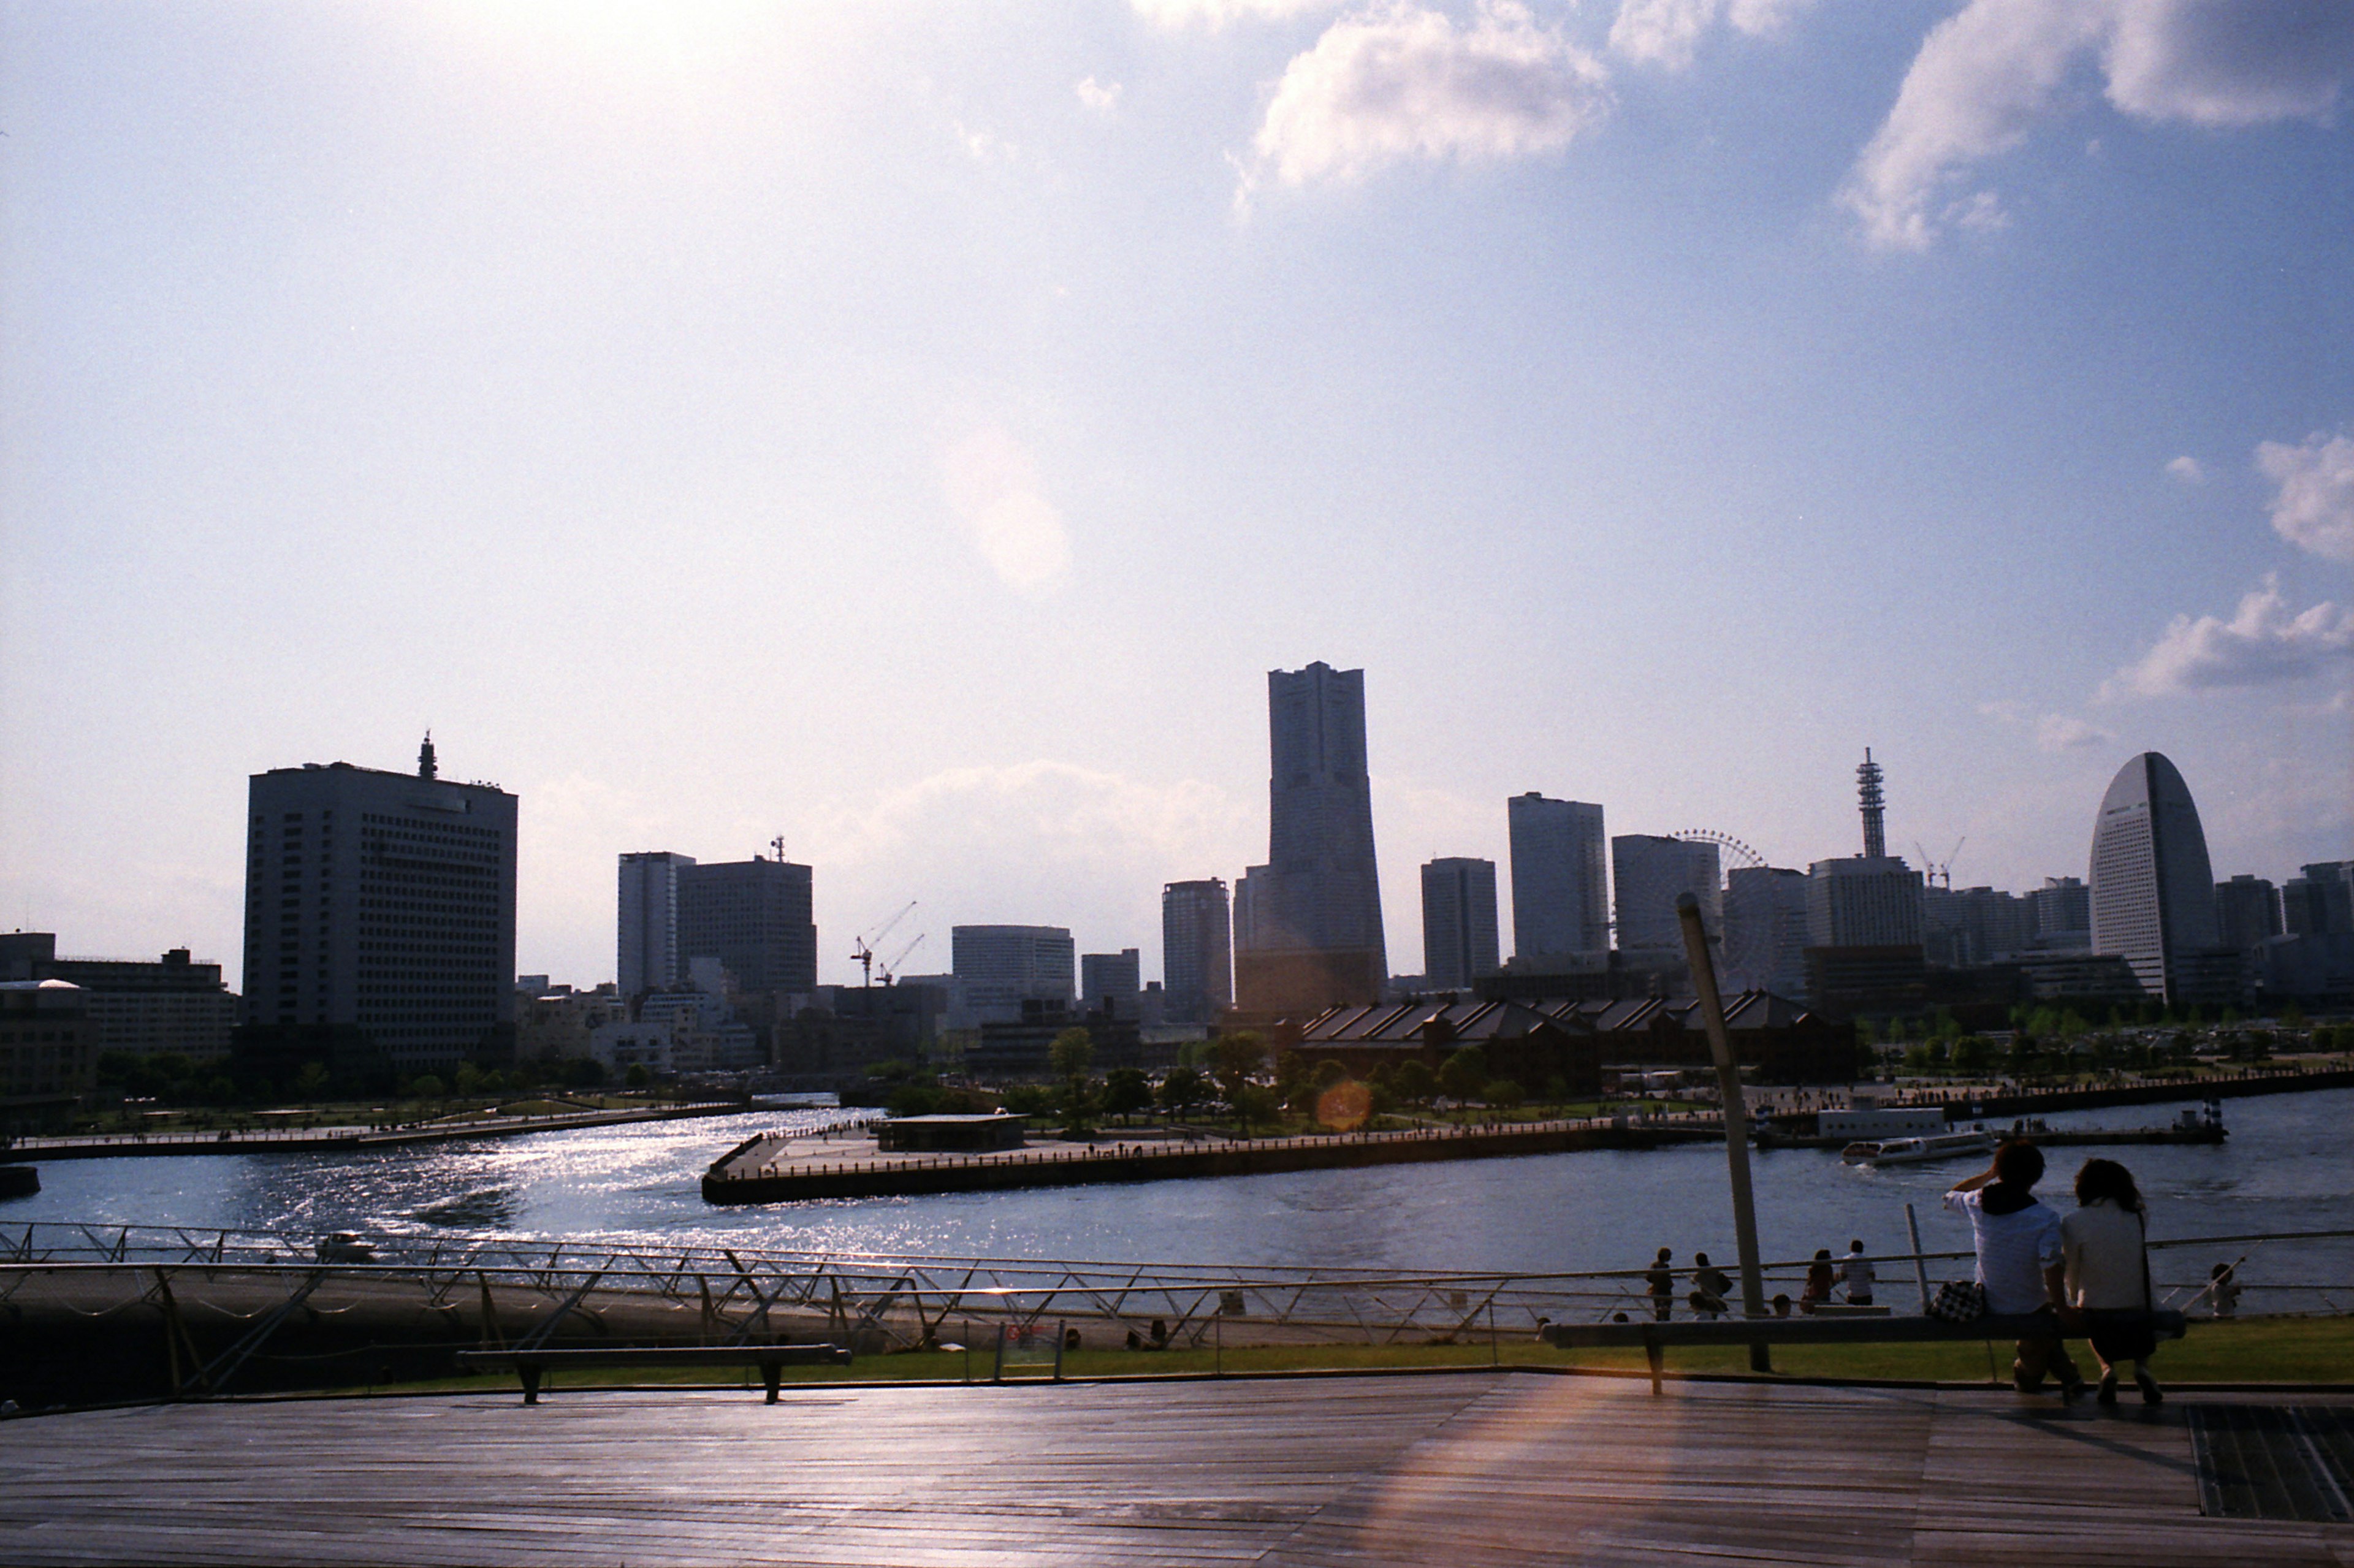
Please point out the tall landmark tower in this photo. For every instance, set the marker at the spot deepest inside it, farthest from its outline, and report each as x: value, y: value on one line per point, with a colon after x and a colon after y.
x: 1309, y: 924
x: 2153, y: 895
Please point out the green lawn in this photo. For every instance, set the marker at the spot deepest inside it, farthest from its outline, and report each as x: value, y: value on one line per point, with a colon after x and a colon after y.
x: 2280, y: 1350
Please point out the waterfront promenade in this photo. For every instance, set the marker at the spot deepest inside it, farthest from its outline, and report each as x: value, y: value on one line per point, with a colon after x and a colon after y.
x: 1464, y: 1469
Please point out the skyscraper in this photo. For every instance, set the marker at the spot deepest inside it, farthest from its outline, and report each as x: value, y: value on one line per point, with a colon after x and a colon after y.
x: 380, y: 907
x: 1459, y: 922
x: 2247, y: 911
x: 754, y: 917
x: 1561, y: 897
x: 647, y: 954
x: 2153, y: 895
x: 1111, y: 982
x: 1000, y: 968
x: 1196, y: 950
x: 1766, y: 930
x: 1314, y: 933
x: 1648, y: 872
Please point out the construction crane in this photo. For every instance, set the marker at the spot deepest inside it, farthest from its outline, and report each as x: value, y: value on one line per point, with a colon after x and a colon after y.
x: 861, y: 947
x: 1939, y: 874
x: 890, y: 971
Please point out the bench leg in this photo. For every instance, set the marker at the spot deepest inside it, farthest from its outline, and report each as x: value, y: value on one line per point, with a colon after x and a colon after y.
x: 1761, y: 1356
x: 1655, y: 1353
x: 530, y: 1375
x: 772, y: 1373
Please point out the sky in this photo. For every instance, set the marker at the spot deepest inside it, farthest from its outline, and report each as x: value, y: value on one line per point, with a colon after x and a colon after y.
x: 915, y: 430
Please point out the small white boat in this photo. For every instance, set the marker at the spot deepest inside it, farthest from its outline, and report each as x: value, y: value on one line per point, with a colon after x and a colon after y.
x: 1913, y: 1151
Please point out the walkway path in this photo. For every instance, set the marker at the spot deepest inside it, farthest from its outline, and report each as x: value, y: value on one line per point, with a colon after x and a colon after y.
x: 1459, y: 1469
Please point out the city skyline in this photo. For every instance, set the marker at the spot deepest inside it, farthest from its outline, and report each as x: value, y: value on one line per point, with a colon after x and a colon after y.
x: 963, y: 412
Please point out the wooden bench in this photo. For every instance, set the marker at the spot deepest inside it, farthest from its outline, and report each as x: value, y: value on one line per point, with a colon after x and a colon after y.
x: 772, y: 1360
x: 1655, y: 1337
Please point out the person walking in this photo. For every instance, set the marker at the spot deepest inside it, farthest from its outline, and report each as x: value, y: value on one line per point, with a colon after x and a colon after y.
x: 1660, y: 1279
x: 1856, y: 1274
x: 2105, y: 1245
x: 2020, y: 1262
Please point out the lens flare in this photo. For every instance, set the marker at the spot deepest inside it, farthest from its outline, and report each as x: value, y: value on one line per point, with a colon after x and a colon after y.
x: 1345, y: 1106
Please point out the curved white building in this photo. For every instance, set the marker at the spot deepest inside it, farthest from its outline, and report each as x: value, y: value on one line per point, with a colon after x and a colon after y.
x: 2153, y: 893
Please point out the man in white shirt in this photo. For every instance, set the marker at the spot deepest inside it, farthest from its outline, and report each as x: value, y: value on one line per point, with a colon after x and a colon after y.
x: 2021, y: 1260
x: 1857, y: 1276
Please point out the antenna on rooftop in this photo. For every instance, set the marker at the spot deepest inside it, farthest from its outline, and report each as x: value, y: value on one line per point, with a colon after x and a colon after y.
x: 1874, y: 802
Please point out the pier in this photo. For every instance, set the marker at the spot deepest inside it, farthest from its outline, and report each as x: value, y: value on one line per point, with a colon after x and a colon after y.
x: 335, y: 1140
x: 1467, y: 1469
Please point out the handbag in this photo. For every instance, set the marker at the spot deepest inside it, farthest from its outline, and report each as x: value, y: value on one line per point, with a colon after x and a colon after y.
x: 1959, y: 1302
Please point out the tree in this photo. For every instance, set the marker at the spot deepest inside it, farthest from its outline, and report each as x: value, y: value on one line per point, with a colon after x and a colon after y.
x: 1329, y: 1072
x: 1416, y: 1082
x: 430, y: 1087
x: 1463, y: 1074
x: 1180, y: 1090
x: 311, y: 1082
x: 1238, y: 1056
x: 1125, y: 1092
x: 637, y: 1078
x: 1073, y: 1053
x: 1504, y: 1094
x: 1972, y: 1054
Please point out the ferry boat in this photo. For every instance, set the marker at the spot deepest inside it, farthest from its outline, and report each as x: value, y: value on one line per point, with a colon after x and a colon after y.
x: 1913, y: 1151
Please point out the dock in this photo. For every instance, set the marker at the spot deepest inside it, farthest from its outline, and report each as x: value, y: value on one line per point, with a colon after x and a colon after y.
x: 786, y: 1168
x: 336, y: 1140
x: 1469, y: 1469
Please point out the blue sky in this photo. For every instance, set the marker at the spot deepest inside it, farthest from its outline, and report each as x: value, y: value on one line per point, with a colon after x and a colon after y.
x: 917, y: 431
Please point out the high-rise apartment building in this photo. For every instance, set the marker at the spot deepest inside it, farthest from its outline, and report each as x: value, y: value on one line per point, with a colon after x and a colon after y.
x: 1648, y: 874
x: 1459, y: 922
x: 2060, y: 915
x: 1312, y: 936
x: 648, y: 956
x: 1561, y: 895
x: 1196, y: 950
x: 2153, y: 895
x: 1864, y: 901
x: 2320, y: 900
x: 998, y: 967
x: 754, y: 917
x: 2247, y: 911
x: 1112, y: 983
x: 1766, y: 930
x: 1965, y: 927
x: 384, y: 904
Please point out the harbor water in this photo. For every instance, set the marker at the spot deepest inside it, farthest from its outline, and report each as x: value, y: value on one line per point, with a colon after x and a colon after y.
x: 2285, y: 1167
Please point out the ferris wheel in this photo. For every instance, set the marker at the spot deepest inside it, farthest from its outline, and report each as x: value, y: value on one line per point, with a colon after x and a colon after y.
x: 1736, y: 853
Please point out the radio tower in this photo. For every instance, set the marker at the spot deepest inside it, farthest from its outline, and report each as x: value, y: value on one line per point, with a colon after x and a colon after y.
x: 1875, y: 805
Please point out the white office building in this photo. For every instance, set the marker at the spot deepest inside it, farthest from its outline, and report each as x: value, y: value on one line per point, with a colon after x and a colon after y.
x: 998, y: 968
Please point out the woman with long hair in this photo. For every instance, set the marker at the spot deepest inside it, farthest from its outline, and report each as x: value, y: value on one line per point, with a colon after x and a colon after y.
x: 2106, y: 1243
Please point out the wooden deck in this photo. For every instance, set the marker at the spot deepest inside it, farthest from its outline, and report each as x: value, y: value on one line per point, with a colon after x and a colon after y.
x: 1460, y: 1470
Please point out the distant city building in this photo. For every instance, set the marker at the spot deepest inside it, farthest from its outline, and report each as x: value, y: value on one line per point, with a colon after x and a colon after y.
x: 143, y: 1007
x: 2153, y: 895
x: 1111, y: 983
x: 1561, y: 895
x: 998, y: 968
x: 1969, y: 927
x: 380, y: 908
x: 1648, y: 874
x: 1459, y: 922
x: 1196, y: 950
x: 1766, y: 930
x: 648, y: 957
x: 754, y: 916
x: 1863, y: 902
x: 2318, y: 900
x: 1308, y: 922
x: 2060, y: 915
x: 2247, y: 911
x: 48, y: 1052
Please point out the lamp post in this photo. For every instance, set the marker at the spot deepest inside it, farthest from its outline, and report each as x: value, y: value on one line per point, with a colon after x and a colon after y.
x: 1737, y: 1120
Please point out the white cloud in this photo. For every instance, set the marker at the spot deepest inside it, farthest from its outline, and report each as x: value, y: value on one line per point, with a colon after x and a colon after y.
x: 2186, y: 469
x: 991, y: 485
x: 1217, y: 14
x: 2006, y: 711
x: 1985, y: 75
x: 2265, y: 643
x: 1665, y: 32
x: 2314, y: 508
x: 985, y: 147
x: 1098, y: 96
x: 2065, y: 732
x: 1401, y: 82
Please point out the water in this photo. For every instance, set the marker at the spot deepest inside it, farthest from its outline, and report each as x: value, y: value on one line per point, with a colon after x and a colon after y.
x: 2285, y: 1168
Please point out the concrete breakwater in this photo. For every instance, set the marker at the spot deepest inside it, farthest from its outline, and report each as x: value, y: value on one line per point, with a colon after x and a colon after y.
x: 313, y: 1140
x: 770, y: 1169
